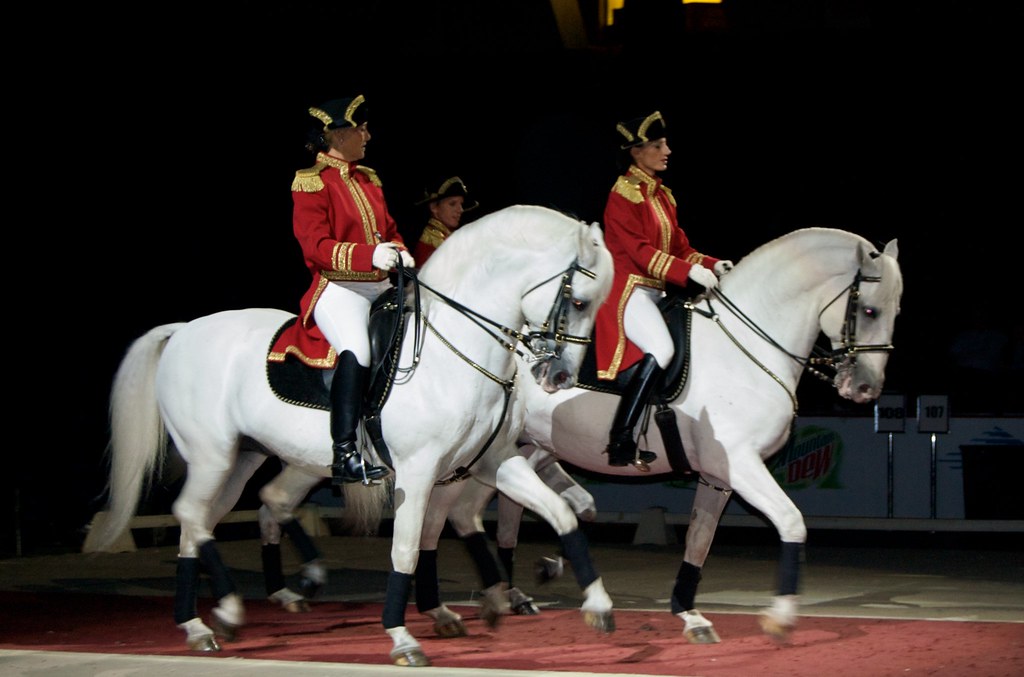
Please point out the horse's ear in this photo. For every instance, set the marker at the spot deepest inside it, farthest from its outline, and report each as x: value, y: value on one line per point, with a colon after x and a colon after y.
x: 891, y: 249
x: 591, y: 241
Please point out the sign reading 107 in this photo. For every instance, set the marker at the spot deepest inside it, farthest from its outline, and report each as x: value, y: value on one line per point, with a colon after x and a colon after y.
x: 933, y: 414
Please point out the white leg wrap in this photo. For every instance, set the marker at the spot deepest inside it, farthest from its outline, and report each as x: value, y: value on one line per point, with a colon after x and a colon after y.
x: 230, y: 610
x: 597, y: 599
x: 315, y: 572
x: 403, y: 641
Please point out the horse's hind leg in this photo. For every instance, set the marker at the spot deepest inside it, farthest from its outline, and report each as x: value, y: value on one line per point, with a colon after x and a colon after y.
x: 447, y: 623
x: 281, y: 498
x: 708, y: 504
x: 197, y: 547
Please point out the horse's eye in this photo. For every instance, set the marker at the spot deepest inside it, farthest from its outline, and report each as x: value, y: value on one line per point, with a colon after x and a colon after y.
x: 580, y: 304
x: 871, y: 311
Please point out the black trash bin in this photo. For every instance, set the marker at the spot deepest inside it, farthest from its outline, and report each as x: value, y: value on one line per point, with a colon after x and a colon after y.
x: 992, y: 475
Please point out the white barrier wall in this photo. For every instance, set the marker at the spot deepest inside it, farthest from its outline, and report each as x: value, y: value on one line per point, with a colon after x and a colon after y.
x: 839, y: 467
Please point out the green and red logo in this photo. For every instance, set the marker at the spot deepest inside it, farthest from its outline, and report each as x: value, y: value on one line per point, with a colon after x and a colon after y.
x: 810, y: 458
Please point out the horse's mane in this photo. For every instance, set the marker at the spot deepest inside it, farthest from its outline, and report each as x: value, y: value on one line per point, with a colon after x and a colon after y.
x: 805, y: 247
x: 509, y: 236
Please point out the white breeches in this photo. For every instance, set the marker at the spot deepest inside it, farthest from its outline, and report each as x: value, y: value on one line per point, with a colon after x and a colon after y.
x: 343, y: 314
x: 645, y: 326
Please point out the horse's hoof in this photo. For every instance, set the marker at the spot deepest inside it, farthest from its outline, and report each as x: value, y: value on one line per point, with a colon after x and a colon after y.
x: 410, y: 658
x: 299, y: 606
x: 548, y: 569
x: 205, y: 643
x: 521, y: 604
x: 226, y: 630
x: 600, y: 620
x: 447, y: 623
x: 449, y: 630
x: 704, y: 634
x: 494, y: 603
x: 774, y: 628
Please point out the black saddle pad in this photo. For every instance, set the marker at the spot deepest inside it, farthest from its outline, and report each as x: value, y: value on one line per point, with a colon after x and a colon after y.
x: 296, y: 383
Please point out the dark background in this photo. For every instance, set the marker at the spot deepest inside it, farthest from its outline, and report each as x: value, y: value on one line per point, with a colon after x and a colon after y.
x: 166, y: 136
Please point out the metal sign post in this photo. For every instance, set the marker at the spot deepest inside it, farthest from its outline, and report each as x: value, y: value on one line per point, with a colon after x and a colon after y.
x: 890, y: 417
x: 933, y: 417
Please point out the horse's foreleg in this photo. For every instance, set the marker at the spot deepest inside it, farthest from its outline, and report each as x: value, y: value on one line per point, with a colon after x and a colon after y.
x: 520, y: 483
x: 759, y: 488
x: 414, y: 487
x: 708, y: 504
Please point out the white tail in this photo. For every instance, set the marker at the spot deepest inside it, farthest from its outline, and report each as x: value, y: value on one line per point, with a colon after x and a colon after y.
x: 138, y: 441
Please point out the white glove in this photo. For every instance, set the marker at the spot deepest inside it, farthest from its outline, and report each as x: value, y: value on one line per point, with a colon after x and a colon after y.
x: 385, y: 255
x: 407, y: 260
x: 722, y: 267
x: 703, y: 276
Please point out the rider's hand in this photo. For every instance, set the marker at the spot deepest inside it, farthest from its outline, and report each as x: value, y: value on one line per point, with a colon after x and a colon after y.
x: 407, y: 260
x: 385, y: 255
x: 722, y: 267
x: 703, y: 276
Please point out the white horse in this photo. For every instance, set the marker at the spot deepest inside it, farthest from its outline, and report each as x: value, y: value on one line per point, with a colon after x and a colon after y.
x: 748, y: 349
x: 452, y: 409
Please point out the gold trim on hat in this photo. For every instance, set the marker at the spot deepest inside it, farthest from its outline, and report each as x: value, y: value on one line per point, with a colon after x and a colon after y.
x: 351, y: 110
x: 321, y: 115
x: 641, y: 132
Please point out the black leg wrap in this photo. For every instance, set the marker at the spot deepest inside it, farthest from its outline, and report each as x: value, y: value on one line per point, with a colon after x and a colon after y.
x: 396, y: 599
x: 790, y: 557
x: 577, y: 551
x: 428, y: 589
x: 220, y: 577
x: 480, y: 552
x: 685, y: 591
x: 303, y: 543
x: 507, y: 557
x: 186, y: 589
x: 273, y: 574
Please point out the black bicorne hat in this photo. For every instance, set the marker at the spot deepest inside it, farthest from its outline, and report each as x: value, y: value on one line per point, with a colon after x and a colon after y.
x: 341, y: 113
x: 641, y: 130
x: 449, y: 187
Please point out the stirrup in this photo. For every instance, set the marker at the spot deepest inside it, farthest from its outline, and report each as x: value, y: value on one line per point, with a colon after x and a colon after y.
x: 351, y: 468
x: 624, y: 452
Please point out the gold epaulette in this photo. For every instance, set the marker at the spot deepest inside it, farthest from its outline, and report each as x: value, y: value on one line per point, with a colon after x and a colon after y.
x: 308, y: 180
x: 668, y: 192
x: 372, y: 175
x: 629, y: 188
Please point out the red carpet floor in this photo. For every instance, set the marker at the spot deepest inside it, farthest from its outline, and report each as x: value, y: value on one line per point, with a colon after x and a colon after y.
x: 648, y: 643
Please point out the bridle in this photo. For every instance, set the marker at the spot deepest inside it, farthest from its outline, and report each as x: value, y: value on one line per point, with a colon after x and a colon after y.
x: 819, y: 357
x: 550, y: 339
x: 849, y: 348
x: 545, y: 343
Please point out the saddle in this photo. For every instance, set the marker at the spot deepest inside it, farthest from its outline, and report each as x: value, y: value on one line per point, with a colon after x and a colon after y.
x: 678, y: 315
x: 296, y: 383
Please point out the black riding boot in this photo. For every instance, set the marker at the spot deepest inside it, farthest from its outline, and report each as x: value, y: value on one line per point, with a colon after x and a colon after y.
x: 346, y: 407
x: 621, y: 445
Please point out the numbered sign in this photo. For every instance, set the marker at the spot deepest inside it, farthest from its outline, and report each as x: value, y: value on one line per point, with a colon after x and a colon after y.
x: 933, y: 414
x: 890, y: 413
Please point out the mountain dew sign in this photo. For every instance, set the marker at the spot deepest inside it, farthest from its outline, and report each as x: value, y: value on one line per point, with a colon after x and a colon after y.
x: 810, y: 459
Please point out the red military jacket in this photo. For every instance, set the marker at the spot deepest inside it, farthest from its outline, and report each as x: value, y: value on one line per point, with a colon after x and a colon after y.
x: 339, y: 217
x: 433, y: 235
x: 643, y: 235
